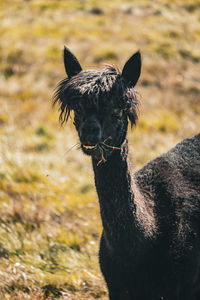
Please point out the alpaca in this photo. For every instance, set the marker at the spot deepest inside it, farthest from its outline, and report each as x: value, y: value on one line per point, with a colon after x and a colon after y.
x: 150, y: 245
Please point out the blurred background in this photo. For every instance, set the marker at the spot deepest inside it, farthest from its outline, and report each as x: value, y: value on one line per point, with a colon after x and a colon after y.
x: 49, y: 214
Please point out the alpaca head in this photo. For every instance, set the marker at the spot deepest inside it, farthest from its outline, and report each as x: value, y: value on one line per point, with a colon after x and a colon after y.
x: 102, y: 102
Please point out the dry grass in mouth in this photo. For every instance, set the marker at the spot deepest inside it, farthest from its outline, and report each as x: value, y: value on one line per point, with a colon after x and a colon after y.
x: 101, y: 148
x: 102, y: 157
x: 109, y: 146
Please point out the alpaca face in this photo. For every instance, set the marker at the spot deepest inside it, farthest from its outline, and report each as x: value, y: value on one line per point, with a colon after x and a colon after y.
x: 102, y: 102
x: 101, y: 129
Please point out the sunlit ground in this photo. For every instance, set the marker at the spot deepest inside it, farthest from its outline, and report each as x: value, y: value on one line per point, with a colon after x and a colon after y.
x: 49, y: 214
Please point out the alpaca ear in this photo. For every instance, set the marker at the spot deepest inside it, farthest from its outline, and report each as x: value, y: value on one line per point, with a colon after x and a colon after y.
x: 72, y: 65
x: 132, y: 69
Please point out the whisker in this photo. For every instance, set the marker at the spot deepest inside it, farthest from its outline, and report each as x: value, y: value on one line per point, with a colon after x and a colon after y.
x: 77, y: 144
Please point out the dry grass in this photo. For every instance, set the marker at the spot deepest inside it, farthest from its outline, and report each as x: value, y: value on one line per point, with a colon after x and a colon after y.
x: 49, y: 215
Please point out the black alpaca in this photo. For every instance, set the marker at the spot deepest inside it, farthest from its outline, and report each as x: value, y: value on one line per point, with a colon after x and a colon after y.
x: 150, y: 245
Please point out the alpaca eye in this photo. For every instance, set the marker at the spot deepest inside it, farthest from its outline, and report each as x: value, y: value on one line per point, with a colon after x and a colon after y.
x: 118, y: 112
x: 78, y: 111
x: 78, y: 118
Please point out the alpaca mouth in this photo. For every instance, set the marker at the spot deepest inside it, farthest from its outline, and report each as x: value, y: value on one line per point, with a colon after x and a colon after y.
x: 100, y: 151
x: 101, y: 148
x: 90, y: 147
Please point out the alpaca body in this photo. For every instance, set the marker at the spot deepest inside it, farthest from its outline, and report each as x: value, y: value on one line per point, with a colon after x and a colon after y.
x: 150, y: 245
x: 155, y: 252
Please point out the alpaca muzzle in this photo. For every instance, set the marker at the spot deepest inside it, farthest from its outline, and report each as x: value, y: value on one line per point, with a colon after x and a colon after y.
x: 90, y: 133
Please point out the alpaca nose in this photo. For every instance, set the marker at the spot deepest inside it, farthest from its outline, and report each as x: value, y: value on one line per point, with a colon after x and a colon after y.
x: 90, y: 133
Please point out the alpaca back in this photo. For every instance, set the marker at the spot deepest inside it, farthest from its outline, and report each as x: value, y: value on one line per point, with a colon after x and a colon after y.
x: 172, y: 180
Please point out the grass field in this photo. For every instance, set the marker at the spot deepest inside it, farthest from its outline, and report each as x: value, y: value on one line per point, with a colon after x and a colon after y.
x: 49, y: 214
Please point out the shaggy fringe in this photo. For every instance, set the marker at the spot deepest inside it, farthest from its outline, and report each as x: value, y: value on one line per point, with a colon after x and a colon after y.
x: 92, y: 86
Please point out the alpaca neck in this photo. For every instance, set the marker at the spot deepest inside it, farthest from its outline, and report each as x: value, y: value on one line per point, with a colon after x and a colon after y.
x: 124, y: 211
